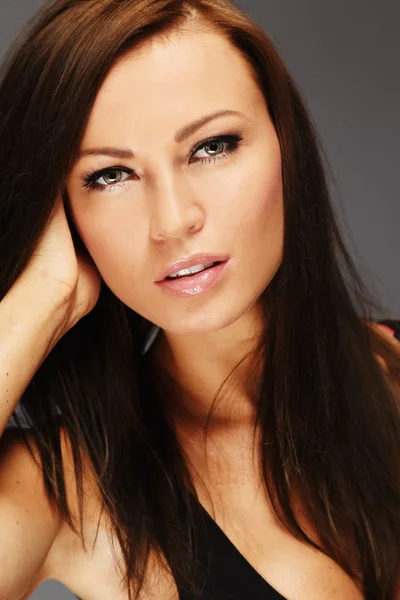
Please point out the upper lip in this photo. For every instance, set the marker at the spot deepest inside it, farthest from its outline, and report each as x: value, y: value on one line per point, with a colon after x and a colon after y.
x: 190, y: 261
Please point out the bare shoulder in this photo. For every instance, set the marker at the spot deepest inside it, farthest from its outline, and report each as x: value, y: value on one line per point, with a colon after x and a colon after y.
x: 35, y: 538
x: 81, y: 548
x: 29, y: 522
x: 21, y: 481
x: 21, y: 477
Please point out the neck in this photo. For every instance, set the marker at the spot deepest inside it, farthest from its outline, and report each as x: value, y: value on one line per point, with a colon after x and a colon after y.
x: 190, y: 369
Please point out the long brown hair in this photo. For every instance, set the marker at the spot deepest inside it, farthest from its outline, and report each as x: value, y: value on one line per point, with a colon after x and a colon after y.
x: 328, y: 413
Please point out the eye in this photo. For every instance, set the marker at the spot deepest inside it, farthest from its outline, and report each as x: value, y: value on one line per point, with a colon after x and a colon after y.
x: 112, y: 175
x: 216, y: 145
x: 115, y: 178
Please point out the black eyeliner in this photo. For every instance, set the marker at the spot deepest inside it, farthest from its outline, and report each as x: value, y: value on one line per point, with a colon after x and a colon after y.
x: 233, y: 139
x: 91, y: 177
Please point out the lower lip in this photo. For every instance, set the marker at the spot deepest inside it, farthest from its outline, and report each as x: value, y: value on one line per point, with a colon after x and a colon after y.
x: 195, y: 284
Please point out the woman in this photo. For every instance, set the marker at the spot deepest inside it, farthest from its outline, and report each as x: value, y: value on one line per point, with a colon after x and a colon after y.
x: 208, y: 409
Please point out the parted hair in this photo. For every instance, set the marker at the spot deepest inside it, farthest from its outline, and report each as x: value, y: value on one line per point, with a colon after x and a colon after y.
x: 327, y: 410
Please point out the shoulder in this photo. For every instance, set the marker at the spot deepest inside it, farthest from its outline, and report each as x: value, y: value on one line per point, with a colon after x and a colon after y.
x: 29, y: 521
x: 83, y: 548
x: 21, y: 472
x: 21, y: 478
x: 39, y: 539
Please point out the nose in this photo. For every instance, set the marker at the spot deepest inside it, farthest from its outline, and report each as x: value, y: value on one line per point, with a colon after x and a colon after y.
x: 175, y: 213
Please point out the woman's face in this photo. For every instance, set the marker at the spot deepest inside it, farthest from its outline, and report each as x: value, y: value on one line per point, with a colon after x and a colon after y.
x: 158, y: 199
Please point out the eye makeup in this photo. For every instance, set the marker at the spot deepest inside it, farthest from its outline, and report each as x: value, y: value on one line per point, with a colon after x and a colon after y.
x: 232, y: 141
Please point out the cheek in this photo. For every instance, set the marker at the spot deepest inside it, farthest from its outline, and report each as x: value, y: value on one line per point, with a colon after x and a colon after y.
x: 113, y: 240
x: 117, y: 246
x: 256, y: 223
x: 253, y: 204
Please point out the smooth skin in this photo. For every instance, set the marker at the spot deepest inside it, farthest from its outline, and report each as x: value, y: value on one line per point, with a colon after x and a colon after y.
x: 168, y: 204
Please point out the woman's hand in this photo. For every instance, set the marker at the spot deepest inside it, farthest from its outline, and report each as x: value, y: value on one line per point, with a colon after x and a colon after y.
x: 59, y: 274
x: 389, y: 361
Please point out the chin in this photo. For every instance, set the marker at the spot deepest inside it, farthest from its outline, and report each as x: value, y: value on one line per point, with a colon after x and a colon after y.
x: 198, y: 324
x: 205, y: 320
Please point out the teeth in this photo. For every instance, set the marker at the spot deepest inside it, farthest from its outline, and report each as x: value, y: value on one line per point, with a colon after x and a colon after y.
x: 191, y: 270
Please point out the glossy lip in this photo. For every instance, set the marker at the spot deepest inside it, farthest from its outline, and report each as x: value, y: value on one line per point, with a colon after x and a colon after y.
x: 196, y: 284
x: 199, y: 258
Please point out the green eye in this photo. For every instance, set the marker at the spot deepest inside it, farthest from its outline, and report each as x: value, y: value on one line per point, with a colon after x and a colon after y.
x: 112, y: 176
x: 217, y: 144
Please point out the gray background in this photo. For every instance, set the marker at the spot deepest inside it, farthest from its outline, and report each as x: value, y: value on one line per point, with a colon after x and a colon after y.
x: 344, y: 55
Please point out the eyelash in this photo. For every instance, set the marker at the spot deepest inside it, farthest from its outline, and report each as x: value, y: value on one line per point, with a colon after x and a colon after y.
x: 232, y: 139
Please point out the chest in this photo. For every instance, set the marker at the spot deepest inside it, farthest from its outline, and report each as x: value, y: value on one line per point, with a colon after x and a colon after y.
x: 238, y: 507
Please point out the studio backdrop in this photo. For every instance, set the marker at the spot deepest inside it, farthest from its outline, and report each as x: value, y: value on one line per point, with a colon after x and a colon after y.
x: 344, y: 56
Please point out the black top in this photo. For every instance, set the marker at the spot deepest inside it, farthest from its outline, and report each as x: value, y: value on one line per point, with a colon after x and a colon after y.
x: 230, y: 575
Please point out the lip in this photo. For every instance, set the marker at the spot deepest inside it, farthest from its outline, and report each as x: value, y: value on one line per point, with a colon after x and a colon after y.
x: 193, y: 285
x: 199, y: 258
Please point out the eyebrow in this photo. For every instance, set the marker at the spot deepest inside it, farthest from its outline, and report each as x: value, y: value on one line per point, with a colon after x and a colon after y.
x: 180, y: 136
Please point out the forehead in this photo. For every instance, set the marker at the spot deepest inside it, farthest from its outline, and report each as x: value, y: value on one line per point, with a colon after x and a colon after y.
x: 171, y: 78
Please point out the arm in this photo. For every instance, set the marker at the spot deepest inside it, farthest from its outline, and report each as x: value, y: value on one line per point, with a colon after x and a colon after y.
x: 28, y: 522
x: 29, y: 328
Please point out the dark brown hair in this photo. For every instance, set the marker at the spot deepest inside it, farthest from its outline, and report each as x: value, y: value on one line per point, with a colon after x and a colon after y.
x: 329, y: 414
